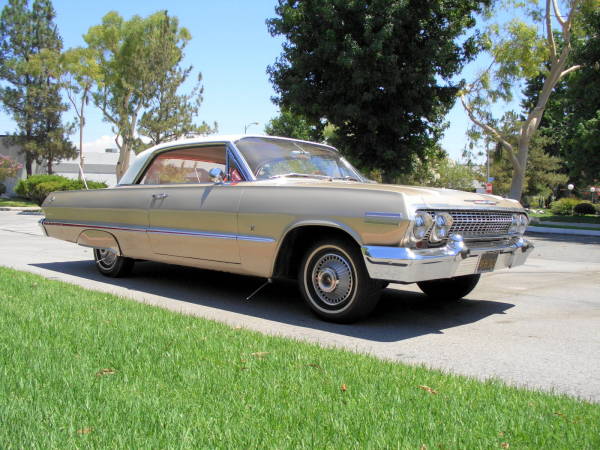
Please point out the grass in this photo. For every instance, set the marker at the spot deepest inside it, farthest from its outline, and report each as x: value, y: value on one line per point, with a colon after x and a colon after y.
x: 548, y: 216
x: 80, y: 368
x: 18, y: 202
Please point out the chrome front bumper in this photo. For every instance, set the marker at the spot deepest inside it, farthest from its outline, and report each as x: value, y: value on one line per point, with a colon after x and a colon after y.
x: 406, y: 265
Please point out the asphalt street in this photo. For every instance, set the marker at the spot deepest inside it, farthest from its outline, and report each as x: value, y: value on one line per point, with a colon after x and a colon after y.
x: 536, y: 326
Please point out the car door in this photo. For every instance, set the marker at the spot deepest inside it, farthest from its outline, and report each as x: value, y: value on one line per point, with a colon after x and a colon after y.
x: 189, y: 215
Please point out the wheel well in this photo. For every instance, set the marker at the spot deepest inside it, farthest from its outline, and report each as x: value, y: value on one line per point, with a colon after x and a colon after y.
x: 297, y: 242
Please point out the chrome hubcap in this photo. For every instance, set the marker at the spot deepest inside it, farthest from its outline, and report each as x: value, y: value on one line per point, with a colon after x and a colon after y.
x: 332, y: 279
x: 106, y: 258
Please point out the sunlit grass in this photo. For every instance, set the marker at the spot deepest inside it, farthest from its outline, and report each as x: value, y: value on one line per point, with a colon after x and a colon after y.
x: 16, y: 202
x: 80, y: 368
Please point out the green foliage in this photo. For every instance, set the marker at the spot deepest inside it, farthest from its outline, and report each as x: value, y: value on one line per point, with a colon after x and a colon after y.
x: 37, y: 187
x: 583, y: 208
x: 443, y: 172
x: 564, y: 206
x: 140, y: 74
x: 288, y: 124
x: 381, y: 72
x: 2, y: 188
x: 8, y: 167
x: 29, y: 50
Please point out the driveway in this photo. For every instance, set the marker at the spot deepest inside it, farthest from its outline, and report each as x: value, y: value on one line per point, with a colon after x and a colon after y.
x: 536, y: 326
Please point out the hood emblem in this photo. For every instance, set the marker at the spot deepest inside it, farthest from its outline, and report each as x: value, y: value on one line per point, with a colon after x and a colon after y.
x: 482, y: 202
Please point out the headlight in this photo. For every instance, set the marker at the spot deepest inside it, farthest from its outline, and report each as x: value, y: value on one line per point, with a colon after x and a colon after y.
x: 523, y: 222
x: 518, y: 224
x: 422, y: 224
x: 441, y: 227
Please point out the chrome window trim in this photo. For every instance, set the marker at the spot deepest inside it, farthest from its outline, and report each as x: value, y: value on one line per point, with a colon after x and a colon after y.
x: 240, y: 161
x: 150, y: 160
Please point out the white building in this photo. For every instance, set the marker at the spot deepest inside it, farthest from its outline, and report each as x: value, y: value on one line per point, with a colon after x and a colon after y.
x: 98, y: 166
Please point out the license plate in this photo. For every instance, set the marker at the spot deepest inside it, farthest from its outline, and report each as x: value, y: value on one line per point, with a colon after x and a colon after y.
x: 487, y: 262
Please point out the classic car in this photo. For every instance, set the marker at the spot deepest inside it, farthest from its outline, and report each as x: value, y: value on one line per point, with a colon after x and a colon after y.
x: 284, y: 208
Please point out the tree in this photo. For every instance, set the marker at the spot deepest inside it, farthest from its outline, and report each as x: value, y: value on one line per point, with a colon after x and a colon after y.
x: 80, y: 73
x: 138, y: 61
x: 288, y: 124
x: 380, y: 71
x: 170, y: 115
x: 29, y: 44
x: 520, y: 52
x: 542, y: 177
x: 571, y: 121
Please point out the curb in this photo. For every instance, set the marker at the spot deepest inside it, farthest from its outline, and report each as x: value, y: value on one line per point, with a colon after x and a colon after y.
x: 20, y: 208
x: 541, y: 223
x: 563, y: 231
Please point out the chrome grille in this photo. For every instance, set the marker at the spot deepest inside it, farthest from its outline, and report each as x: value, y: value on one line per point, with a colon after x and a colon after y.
x: 477, y: 223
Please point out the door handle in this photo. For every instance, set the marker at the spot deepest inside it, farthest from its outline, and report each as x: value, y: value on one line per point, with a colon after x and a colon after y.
x: 159, y: 196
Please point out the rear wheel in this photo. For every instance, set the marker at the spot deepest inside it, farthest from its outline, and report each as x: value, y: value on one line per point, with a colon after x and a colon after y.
x: 335, y: 283
x: 111, y: 264
x: 449, y: 288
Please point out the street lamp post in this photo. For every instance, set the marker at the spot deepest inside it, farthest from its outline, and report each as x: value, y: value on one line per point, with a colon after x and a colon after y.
x: 593, y: 194
x: 248, y: 126
x: 570, y: 187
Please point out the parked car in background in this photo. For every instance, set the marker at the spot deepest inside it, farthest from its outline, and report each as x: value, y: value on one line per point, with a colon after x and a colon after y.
x: 283, y: 208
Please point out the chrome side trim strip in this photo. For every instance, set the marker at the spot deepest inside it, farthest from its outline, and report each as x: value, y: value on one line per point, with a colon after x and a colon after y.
x: 175, y: 231
x: 95, y: 226
x: 241, y: 237
x: 383, y: 218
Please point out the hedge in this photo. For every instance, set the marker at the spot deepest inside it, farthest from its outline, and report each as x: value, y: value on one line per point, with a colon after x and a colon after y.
x: 37, y: 187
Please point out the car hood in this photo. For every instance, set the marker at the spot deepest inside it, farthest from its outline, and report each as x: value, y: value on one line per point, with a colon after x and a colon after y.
x: 423, y: 197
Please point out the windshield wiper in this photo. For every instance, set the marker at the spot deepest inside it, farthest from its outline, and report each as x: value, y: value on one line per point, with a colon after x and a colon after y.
x: 301, y: 175
x: 348, y: 178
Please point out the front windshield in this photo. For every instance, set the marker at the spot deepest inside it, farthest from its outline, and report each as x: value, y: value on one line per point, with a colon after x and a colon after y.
x: 272, y: 157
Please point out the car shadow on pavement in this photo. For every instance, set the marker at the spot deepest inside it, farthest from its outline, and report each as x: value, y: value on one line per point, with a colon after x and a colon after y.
x: 399, y: 315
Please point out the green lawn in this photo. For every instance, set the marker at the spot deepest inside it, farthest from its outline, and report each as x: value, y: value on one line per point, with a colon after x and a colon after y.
x: 19, y: 202
x: 80, y: 368
x: 568, y: 227
x: 548, y: 216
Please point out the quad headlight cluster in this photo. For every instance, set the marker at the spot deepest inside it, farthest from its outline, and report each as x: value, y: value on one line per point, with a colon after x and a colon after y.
x: 518, y: 224
x: 439, y: 225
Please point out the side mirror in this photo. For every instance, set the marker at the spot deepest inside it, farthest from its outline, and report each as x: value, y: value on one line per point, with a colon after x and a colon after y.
x: 216, y: 175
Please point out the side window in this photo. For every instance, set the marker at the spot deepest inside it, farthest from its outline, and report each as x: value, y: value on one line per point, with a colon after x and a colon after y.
x: 186, y: 165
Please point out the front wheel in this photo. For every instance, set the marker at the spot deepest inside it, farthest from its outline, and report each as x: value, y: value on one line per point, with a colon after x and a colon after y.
x: 111, y: 264
x: 335, y: 283
x: 449, y: 288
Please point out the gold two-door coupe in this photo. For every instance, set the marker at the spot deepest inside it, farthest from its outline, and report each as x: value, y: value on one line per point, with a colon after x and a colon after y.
x: 284, y: 208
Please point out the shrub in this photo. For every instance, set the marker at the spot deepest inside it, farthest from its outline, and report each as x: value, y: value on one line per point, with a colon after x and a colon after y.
x: 564, y: 206
x: 584, y: 208
x: 597, y: 208
x: 37, y: 187
x: 2, y: 188
x: 8, y: 167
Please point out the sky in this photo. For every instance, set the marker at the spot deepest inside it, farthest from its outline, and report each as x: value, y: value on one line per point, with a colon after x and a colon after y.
x: 230, y: 46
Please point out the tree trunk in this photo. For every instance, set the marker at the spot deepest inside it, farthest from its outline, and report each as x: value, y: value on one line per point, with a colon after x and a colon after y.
x: 49, y: 166
x: 518, y: 179
x: 28, y: 164
x: 80, y: 147
x: 123, y: 162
